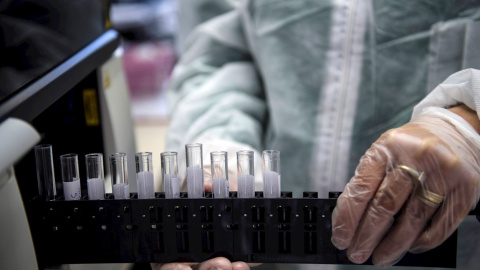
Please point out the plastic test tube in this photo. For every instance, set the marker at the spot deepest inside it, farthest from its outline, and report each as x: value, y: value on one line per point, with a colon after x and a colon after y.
x: 194, y: 162
x: 70, y: 177
x: 271, y: 174
x: 45, y: 173
x: 118, y: 169
x: 219, y: 163
x: 171, y: 182
x: 245, y: 174
x: 145, y: 185
x: 95, y: 176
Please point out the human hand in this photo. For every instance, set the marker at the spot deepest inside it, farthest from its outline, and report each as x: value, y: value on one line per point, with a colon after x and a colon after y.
x: 363, y: 221
x: 212, y: 264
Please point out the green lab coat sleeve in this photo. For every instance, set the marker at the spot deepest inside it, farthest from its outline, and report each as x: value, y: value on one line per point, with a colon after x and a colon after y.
x: 215, y: 92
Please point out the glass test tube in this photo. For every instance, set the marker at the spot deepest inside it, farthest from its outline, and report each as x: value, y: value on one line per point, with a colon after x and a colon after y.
x: 171, y: 182
x: 118, y: 169
x: 194, y: 160
x: 95, y: 176
x: 219, y: 163
x: 145, y: 185
x: 271, y: 174
x: 70, y: 177
x: 245, y: 174
x: 45, y: 173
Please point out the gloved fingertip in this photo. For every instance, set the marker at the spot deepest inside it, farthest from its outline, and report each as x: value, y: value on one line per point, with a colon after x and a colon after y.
x: 382, y: 266
x: 339, y: 244
x: 359, y: 257
x: 384, y: 263
x: 417, y: 250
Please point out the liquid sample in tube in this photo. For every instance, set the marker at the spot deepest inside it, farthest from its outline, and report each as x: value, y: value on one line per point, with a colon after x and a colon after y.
x: 195, y: 182
x: 171, y: 186
x: 95, y: 176
x: 72, y: 190
x: 194, y: 161
x: 145, y: 181
x: 246, y: 186
x: 70, y: 177
x: 171, y: 182
x: 118, y: 169
x: 271, y: 173
x: 219, y: 168
x: 245, y: 172
x: 145, y: 186
x: 220, y: 188
x: 271, y: 184
x: 96, y: 189
x: 121, y: 191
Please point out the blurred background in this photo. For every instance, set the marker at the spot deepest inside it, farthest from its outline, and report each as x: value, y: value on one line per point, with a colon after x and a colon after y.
x: 92, y: 102
x: 148, y: 31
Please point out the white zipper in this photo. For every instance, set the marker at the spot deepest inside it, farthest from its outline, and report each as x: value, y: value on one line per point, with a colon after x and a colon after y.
x: 333, y: 147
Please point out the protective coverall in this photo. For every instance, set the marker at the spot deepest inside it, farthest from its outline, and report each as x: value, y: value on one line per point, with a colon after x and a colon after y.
x: 320, y: 81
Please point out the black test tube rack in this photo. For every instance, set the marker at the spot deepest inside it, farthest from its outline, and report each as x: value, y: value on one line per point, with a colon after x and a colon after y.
x: 254, y: 230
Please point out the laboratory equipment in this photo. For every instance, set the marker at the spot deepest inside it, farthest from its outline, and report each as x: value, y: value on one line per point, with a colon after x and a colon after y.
x: 219, y: 167
x: 254, y: 230
x: 70, y: 177
x: 271, y: 174
x: 245, y: 174
x: 194, y: 162
x: 145, y: 181
x: 119, y: 172
x: 45, y: 172
x: 171, y: 182
x: 95, y: 176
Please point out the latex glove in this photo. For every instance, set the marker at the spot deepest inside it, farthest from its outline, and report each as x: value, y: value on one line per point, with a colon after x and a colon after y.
x: 219, y: 263
x: 438, y: 143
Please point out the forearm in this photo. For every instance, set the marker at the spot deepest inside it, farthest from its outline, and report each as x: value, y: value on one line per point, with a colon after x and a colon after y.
x: 468, y: 114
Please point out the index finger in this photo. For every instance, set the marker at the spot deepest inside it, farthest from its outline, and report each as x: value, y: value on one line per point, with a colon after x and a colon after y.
x: 216, y: 263
x: 357, y: 194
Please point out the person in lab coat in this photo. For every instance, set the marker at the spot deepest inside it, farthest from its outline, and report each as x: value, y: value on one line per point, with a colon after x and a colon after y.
x: 384, y: 91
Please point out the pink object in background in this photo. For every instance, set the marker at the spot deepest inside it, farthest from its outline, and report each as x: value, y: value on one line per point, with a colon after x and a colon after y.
x: 148, y: 66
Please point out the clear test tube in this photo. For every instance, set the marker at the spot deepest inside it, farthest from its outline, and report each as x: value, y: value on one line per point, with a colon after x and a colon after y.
x: 245, y: 174
x: 95, y: 176
x: 45, y: 173
x: 171, y: 182
x: 194, y: 160
x: 271, y: 174
x: 70, y: 177
x: 219, y: 163
x: 118, y: 169
x: 145, y: 182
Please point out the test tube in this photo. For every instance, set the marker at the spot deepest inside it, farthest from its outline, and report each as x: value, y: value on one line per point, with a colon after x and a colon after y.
x: 70, y: 177
x: 95, y: 176
x: 118, y: 169
x: 271, y: 174
x: 194, y: 162
x: 45, y: 173
x: 171, y: 182
x: 219, y: 164
x: 245, y: 174
x: 145, y: 186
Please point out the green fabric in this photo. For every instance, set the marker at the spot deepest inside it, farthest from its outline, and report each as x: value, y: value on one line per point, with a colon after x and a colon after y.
x: 255, y: 74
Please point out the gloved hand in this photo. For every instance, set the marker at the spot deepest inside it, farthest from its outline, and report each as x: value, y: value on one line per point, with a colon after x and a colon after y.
x: 438, y: 143
x: 218, y: 263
